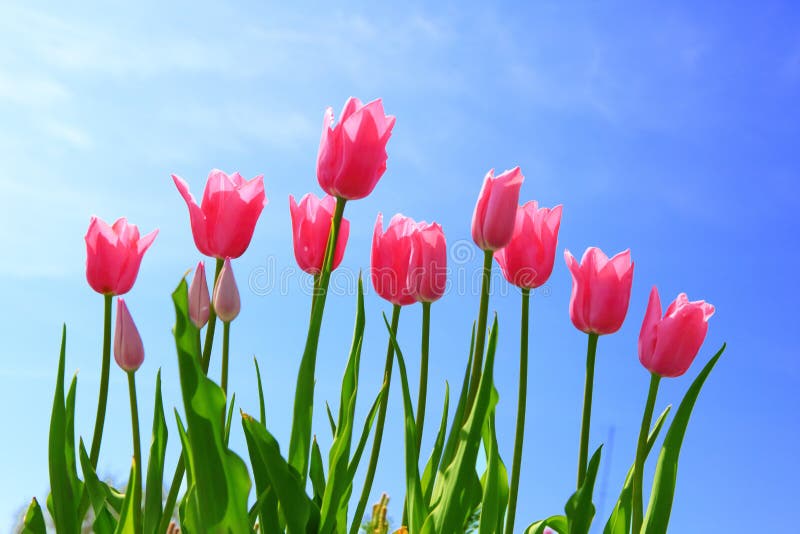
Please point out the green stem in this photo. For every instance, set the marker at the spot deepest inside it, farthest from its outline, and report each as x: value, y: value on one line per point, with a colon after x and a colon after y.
x: 177, y: 478
x: 300, y: 441
x: 583, y: 453
x: 521, y: 406
x: 376, y: 444
x: 641, y: 453
x: 137, y: 454
x: 480, y: 338
x: 212, y: 321
x: 423, y: 371
x: 102, y: 399
x: 226, y: 332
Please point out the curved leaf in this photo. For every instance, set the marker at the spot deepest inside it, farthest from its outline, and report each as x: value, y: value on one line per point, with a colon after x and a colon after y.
x: 155, y: 465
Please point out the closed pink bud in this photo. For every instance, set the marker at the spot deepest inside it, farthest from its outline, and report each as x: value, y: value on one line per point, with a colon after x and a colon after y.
x: 128, y: 348
x: 601, y: 290
x: 223, y: 224
x: 391, y: 259
x: 495, y: 212
x: 352, y: 153
x: 226, y: 294
x: 527, y: 261
x: 311, y: 227
x: 114, y: 254
x: 428, y: 274
x: 669, y: 344
x: 198, y: 297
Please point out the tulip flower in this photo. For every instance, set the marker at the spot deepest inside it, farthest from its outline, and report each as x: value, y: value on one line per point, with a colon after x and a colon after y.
x: 311, y: 228
x: 527, y: 260
x: 391, y: 259
x: 669, y: 344
x: 128, y: 348
x: 428, y: 271
x: 226, y: 294
x: 495, y: 211
x: 352, y: 153
x: 199, y: 299
x: 601, y: 290
x: 114, y: 254
x: 667, y: 347
x: 223, y: 224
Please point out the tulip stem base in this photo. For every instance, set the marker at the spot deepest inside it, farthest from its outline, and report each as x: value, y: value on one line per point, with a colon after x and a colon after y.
x: 583, y: 452
x: 137, y: 452
x: 423, y: 371
x: 480, y: 335
x: 641, y: 452
x: 102, y: 398
x: 376, y: 443
x: 521, y: 408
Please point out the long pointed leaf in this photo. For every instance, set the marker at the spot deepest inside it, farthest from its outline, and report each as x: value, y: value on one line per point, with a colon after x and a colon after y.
x: 155, y: 465
x: 126, y: 518
x: 495, y: 483
x: 33, y: 522
x: 663, y: 491
x: 579, y: 508
x: 262, y: 411
x: 429, y: 473
x: 104, y: 522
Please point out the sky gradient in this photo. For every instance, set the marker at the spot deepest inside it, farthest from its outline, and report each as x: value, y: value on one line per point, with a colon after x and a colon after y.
x: 671, y: 129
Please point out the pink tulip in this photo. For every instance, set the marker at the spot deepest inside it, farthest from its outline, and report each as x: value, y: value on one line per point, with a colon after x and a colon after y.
x: 114, y: 254
x: 391, y: 259
x: 311, y: 227
x: 198, y: 297
x: 128, y: 348
x: 669, y: 344
x: 601, y: 290
x: 527, y: 260
x: 223, y: 224
x: 428, y: 274
x: 226, y: 294
x: 495, y: 212
x: 352, y: 154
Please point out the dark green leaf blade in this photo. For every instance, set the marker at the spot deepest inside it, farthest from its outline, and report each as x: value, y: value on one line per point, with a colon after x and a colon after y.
x: 33, y: 522
x: 155, y: 465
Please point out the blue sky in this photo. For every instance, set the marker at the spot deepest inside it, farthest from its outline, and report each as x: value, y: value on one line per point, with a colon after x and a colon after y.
x: 671, y: 129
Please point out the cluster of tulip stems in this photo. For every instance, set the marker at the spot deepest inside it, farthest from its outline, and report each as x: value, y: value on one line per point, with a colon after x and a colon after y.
x: 294, y: 492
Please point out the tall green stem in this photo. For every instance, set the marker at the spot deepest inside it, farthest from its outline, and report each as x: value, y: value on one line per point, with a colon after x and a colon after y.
x: 177, y: 478
x: 300, y: 441
x: 480, y: 337
x: 137, y: 453
x: 423, y: 371
x: 226, y: 332
x: 521, y: 407
x: 212, y: 321
x: 376, y: 443
x: 641, y: 453
x: 583, y: 453
x: 102, y: 399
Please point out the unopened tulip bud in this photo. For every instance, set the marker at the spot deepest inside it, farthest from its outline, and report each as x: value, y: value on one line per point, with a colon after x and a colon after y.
x: 226, y: 294
x: 496, y: 209
x: 198, y: 297
x: 128, y: 348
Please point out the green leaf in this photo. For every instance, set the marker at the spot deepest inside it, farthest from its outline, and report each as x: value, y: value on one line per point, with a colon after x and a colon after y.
x: 495, y: 481
x: 457, y: 496
x: 155, y: 465
x: 33, y: 523
x: 99, y: 495
x: 579, y: 507
x: 64, y: 502
x: 267, y: 523
x: 365, y: 431
x: 663, y: 490
x: 620, y: 520
x: 261, y: 407
x: 284, y: 479
x: 331, y: 420
x: 333, y: 511
x: 415, y: 503
x: 317, y: 472
x: 228, y: 419
x: 126, y: 517
x: 69, y: 440
x: 557, y: 522
x: 219, y: 476
x: 429, y: 473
